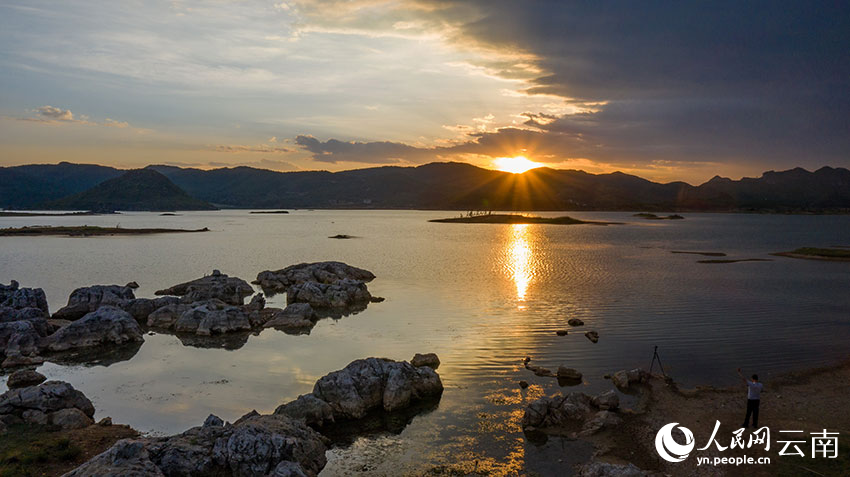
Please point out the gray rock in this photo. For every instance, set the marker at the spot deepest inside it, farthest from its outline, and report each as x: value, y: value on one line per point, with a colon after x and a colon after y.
x: 19, y: 338
x: 70, y: 418
x: 376, y: 383
x: 428, y: 359
x: 294, y: 316
x: 141, y: 308
x: 601, y: 420
x: 126, y: 458
x: 319, y: 272
x: 219, y: 286
x: 344, y: 293
x: 575, y: 322
x: 212, y: 420
x: 213, y: 317
x: 624, y: 379
x: 312, y: 410
x: 88, y: 299
x: 604, y: 469
x: 12, y: 296
x: 557, y: 411
x: 34, y: 416
x: 8, y: 314
x: 106, y: 325
x: 47, y: 397
x: 167, y: 316
x: 132, y: 285
x: 15, y: 360
x: 608, y: 400
x: 568, y: 373
x: 25, y: 377
x: 288, y: 469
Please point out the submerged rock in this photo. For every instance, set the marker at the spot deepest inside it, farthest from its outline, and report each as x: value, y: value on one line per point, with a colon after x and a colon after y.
x: 592, y: 336
x: 344, y: 293
x: 106, y: 325
x: 575, y: 322
x: 88, y: 299
x: 24, y: 378
x: 568, y: 373
x: 219, y: 286
x: 318, y: 272
x: 573, y: 411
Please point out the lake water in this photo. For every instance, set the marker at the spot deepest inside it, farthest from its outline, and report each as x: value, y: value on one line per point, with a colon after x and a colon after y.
x: 480, y: 296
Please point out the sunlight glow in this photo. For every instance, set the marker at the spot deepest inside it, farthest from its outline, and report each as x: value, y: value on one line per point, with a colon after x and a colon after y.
x: 516, y: 164
x: 520, y: 259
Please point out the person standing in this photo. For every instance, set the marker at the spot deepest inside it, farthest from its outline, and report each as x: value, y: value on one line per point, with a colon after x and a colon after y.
x: 754, y: 388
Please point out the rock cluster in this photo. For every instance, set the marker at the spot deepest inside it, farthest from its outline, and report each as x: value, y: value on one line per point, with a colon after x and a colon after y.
x: 322, y: 285
x: 363, y: 386
x: 230, y: 290
x: 52, y: 403
x: 282, y: 444
x: 573, y: 411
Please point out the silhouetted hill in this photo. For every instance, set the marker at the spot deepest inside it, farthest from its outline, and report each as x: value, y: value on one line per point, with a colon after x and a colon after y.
x: 25, y: 187
x: 140, y: 189
x: 463, y: 187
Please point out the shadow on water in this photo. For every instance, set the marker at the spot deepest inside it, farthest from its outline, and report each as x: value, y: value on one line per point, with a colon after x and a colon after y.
x: 99, y: 356
x: 378, y: 422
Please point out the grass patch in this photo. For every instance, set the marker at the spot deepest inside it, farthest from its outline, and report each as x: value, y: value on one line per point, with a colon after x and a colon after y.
x: 26, y: 446
x: 814, y: 253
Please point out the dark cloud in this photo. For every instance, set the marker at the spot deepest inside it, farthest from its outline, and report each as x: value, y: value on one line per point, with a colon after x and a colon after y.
x: 380, y: 152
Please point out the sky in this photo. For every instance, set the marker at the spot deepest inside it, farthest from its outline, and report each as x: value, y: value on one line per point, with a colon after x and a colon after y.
x: 665, y: 90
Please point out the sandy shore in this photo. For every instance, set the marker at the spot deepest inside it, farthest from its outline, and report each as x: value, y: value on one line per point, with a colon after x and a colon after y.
x: 808, y: 400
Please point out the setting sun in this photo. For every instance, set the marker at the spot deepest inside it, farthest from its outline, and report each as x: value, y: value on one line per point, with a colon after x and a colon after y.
x: 517, y: 164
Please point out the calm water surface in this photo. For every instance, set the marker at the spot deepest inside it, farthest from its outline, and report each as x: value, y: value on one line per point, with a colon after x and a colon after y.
x: 481, y: 296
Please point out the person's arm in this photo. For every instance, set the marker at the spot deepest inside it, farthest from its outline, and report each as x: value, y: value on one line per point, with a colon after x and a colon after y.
x: 741, y: 375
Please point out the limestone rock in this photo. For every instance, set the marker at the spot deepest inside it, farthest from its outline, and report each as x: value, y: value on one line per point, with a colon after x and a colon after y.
x: 608, y: 400
x: 106, y: 325
x: 319, y: 272
x: 344, y: 293
x: 88, y: 299
x: 428, y: 359
x: 70, y: 418
x: 25, y: 377
x: 230, y: 290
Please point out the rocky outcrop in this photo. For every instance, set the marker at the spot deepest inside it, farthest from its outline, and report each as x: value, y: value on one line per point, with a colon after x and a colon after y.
x: 573, y: 412
x: 51, y: 403
x: 345, y: 293
x: 364, y: 385
x: 88, y: 299
x: 141, y: 308
x: 215, y: 317
x: 15, y: 297
x: 624, y: 379
x: 319, y: 272
x: 568, y: 373
x: 230, y: 290
x: 295, y: 317
x: 106, y: 325
x: 23, y: 378
x: 253, y: 446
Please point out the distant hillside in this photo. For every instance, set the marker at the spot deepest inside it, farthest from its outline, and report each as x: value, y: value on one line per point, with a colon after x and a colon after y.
x: 456, y: 186
x: 140, y: 189
x: 25, y: 187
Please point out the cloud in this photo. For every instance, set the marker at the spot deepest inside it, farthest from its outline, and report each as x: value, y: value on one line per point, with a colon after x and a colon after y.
x: 55, y: 114
x: 237, y: 149
x: 380, y: 152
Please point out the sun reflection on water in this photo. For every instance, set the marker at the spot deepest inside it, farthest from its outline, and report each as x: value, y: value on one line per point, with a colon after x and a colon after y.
x: 519, y: 265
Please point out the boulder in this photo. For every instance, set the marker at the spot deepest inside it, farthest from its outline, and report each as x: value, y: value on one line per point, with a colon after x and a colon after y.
x: 575, y: 322
x: 568, y: 373
x: 12, y: 296
x: 126, y: 458
x: 557, y: 411
x: 106, y: 325
x: 601, y: 420
x: 294, y: 316
x: 344, y: 293
x: 319, y: 272
x: 623, y: 379
x: 141, y: 308
x: 608, y: 400
x: 167, y: 316
x: 592, y: 336
x: 376, y: 383
x: 212, y: 421
x: 308, y: 408
x: 88, y: 299
x: 24, y: 378
x: 213, y: 317
x: 70, y: 418
x: 47, y: 397
x: 428, y: 359
x: 20, y: 338
x: 8, y: 314
x: 132, y: 285
x: 523, y: 384
x: 562, y: 332
x: 230, y: 290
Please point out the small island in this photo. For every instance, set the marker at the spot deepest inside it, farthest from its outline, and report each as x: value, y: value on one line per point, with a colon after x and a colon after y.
x: 648, y: 216
x: 269, y: 211
x: 87, y: 231
x: 813, y: 253
x: 517, y: 219
x: 10, y: 213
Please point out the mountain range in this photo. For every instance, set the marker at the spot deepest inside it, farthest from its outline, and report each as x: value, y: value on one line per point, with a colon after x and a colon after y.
x: 455, y: 186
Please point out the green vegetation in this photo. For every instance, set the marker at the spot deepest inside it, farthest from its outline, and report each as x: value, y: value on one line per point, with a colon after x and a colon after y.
x: 86, y: 231
x: 516, y: 219
x: 813, y: 253
x: 26, y: 446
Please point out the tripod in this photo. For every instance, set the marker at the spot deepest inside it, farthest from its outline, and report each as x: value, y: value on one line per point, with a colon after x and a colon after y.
x: 655, y: 358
